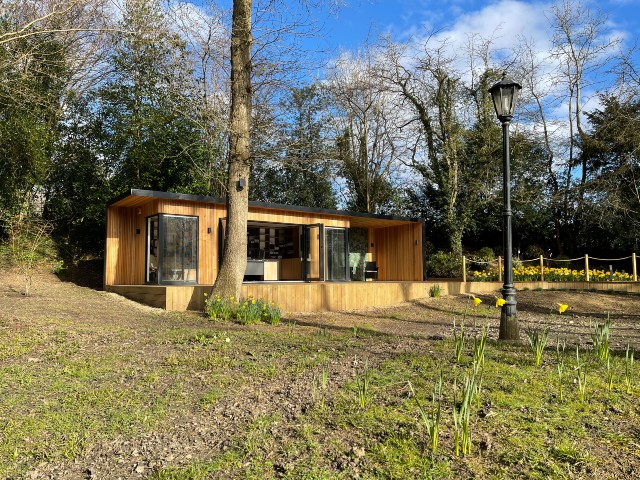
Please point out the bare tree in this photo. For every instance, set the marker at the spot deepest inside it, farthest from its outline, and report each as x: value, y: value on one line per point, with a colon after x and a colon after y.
x: 206, y: 34
x: 366, y: 121
x: 28, y: 238
x: 537, y: 98
x: 430, y: 87
x: 581, y: 47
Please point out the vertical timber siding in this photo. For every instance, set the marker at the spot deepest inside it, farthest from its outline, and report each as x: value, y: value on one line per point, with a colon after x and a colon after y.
x: 395, y: 249
x: 399, y: 252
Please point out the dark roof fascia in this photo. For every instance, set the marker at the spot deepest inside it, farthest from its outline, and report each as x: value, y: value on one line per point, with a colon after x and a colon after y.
x: 276, y: 206
x: 135, y: 192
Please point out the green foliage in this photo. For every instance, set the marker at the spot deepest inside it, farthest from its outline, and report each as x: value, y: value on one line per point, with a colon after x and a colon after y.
x: 78, y: 185
x: 218, y: 308
x: 271, y: 313
x: 462, y: 414
x: 600, y: 339
x: 560, y: 348
x: 247, y: 311
x: 33, y: 76
x: 458, y: 340
x: 581, y: 371
x: 320, y: 385
x: 362, y: 384
x: 431, y: 416
x: 148, y: 136
x: 444, y: 265
x: 533, y: 251
x: 628, y: 372
x: 486, y: 254
x: 537, y: 340
x: 479, y: 345
x: 435, y: 291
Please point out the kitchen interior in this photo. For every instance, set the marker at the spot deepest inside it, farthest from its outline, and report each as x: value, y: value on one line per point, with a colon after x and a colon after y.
x: 274, y: 252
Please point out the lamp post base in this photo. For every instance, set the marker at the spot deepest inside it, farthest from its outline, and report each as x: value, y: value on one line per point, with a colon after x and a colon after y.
x: 509, y: 330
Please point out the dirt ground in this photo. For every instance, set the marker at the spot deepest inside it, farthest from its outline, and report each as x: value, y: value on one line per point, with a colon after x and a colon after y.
x: 100, y: 321
x: 430, y: 317
x: 433, y: 317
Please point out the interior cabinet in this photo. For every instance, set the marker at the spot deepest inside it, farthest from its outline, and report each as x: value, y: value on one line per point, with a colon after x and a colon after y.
x: 273, y: 243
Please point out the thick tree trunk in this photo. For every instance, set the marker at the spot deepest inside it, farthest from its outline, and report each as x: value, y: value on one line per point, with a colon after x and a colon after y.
x: 234, y: 255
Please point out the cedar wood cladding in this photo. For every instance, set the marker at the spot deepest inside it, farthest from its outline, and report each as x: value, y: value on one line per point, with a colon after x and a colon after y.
x: 397, y: 240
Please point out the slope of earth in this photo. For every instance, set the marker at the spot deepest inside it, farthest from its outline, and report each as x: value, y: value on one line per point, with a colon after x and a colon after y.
x: 96, y: 386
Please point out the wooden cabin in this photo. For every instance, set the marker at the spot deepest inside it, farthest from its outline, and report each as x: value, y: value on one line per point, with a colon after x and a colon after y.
x: 163, y: 249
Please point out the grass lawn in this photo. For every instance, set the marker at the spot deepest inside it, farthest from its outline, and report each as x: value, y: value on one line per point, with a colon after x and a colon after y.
x: 93, y: 386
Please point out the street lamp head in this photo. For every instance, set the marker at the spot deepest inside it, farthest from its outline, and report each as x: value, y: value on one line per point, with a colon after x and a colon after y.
x: 504, y: 95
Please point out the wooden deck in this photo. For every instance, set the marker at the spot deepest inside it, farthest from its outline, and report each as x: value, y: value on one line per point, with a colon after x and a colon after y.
x: 318, y: 297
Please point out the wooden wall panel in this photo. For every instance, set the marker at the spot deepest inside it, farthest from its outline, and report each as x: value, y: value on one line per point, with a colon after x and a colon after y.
x: 394, y: 247
x: 125, y: 252
x: 299, y: 218
x: 315, y: 297
x: 291, y: 269
x: 398, y: 252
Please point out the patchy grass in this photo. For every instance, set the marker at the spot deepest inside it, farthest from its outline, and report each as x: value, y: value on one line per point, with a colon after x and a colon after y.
x: 90, y: 382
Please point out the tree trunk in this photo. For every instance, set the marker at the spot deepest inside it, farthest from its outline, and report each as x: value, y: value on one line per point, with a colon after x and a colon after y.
x: 234, y: 254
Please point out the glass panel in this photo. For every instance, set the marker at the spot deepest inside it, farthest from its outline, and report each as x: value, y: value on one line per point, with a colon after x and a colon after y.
x: 179, y: 249
x: 336, y: 254
x: 358, y: 249
x: 152, y: 250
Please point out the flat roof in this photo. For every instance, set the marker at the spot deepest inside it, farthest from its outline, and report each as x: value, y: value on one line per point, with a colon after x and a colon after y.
x: 125, y: 200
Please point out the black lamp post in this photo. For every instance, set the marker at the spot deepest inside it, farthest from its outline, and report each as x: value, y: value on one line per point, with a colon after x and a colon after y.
x: 505, y: 94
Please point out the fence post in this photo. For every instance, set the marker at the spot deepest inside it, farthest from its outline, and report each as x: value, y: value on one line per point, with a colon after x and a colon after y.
x: 634, y: 267
x: 541, y: 268
x: 500, y: 268
x: 464, y: 268
x: 586, y: 267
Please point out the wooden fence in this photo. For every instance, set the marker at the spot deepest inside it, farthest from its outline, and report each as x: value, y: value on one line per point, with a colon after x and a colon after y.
x: 542, y: 267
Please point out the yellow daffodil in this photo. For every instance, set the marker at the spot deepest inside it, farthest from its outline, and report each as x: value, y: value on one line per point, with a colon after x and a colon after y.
x: 476, y: 301
x: 562, y: 307
x: 206, y: 294
x: 500, y: 302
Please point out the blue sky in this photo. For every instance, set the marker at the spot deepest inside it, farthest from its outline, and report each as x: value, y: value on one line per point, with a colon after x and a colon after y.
x: 353, y: 23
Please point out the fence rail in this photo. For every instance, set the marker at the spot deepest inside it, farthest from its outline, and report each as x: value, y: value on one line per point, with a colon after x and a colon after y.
x: 495, y: 268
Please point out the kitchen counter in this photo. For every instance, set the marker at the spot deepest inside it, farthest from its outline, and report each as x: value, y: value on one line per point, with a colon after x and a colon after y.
x: 266, y: 270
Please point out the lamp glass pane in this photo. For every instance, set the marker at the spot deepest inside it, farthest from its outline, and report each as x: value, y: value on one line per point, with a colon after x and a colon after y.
x: 506, y: 101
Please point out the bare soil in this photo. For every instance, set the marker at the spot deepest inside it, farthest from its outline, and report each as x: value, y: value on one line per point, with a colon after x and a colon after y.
x: 433, y: 317
x: 106, y: 324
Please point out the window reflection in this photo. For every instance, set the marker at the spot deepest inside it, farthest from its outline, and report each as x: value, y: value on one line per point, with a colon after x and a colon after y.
x: 336, y: 253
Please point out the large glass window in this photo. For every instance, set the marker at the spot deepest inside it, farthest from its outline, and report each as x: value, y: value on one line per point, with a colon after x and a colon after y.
x: 179, y: 254
x: 336, y: 251
x: 172, y: 249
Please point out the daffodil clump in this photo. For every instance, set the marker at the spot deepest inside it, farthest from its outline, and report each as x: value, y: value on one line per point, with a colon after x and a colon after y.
x: 246, y: 311
x: 531, y: 273
x: 218, y: 308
